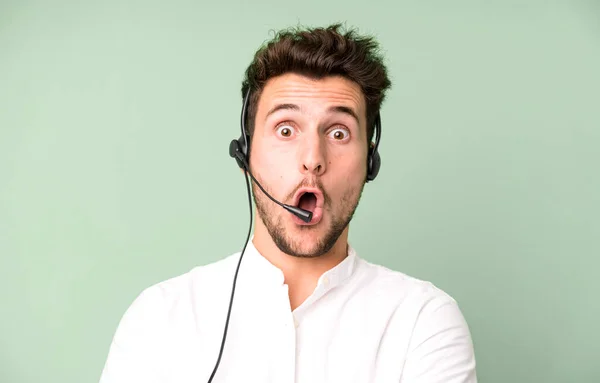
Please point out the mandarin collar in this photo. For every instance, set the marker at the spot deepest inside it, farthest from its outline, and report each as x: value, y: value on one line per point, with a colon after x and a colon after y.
x: 263, y: 272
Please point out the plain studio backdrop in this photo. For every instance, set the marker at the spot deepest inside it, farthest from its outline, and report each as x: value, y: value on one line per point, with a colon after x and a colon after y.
x: 116, y: 116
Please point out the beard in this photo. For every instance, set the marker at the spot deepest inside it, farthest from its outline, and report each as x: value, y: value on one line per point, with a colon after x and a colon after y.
x: 272, y: 217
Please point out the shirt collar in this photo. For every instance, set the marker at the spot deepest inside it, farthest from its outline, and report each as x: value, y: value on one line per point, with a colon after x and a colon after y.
x: 264, y: 272
x: 340, y: 272
x: 261, y: 270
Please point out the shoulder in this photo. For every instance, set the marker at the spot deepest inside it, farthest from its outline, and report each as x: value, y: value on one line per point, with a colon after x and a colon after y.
x: 169, y: 303
x: 206, y: 279
x: 415, y: 305
x: 400, y: 287
x: 161, y: 319
x: 168, y: 306
x: 439, y: 343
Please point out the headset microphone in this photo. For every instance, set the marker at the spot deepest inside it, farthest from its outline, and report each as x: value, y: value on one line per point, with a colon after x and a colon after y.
x: 234, y: 151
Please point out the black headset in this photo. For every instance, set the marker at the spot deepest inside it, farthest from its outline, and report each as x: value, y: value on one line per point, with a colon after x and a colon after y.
x: 239, y: 149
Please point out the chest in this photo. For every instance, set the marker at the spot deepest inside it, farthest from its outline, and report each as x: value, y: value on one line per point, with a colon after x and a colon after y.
x: 330, y: 341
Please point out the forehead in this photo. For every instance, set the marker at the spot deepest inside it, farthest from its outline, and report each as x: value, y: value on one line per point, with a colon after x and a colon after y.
x: 312, y: 93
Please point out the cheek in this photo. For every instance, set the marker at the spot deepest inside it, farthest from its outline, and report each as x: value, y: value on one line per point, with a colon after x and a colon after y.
x: 276, y: 163
x: 273, y: 166
x: 349, y: 167
x: 347, y: 174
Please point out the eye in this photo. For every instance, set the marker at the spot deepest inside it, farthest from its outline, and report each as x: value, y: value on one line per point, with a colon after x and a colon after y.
x: 339, y: 134
x: 285, y: 130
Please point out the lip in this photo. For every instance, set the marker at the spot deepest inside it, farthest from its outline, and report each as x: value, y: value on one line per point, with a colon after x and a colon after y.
x: 317, y: 213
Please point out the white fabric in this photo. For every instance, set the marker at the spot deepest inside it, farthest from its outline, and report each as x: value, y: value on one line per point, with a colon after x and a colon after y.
x: 363, y: 323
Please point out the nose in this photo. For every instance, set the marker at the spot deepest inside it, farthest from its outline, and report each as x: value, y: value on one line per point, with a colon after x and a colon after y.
x: 312, y: 156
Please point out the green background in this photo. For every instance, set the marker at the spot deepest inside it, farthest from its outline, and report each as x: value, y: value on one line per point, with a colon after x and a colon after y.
x: 115, y: 118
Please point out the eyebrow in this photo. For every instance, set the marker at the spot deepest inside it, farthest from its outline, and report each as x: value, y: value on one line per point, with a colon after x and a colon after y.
x: 345, y: 110
x: 279, y: 107
x: 336, y: 109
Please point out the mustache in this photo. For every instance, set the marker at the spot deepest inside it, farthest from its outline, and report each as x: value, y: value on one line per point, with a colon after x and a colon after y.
x: 310, y: 183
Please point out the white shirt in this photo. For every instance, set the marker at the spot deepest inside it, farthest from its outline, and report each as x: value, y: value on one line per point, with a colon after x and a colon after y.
x: 363, y: 323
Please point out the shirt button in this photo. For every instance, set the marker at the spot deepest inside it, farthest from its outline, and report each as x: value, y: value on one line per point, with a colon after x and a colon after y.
x: 325, y: 281
x: 296, y: 324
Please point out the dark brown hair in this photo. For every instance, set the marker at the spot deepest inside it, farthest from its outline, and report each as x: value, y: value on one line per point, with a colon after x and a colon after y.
x: 317, y: 53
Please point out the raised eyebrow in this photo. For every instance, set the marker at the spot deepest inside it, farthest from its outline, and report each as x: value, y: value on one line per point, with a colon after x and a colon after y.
x: 279, y: 107
x: 345, y: 110
x: 334, y: 109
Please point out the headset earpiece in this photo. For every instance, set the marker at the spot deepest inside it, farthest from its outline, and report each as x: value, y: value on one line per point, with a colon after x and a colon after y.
x: 237, y: 151
x: 241, y: 145
x: 373, y: 164
x: 373, y: 159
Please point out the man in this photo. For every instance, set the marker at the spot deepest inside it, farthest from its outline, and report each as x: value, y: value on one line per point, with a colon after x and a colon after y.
x: 307, y: 308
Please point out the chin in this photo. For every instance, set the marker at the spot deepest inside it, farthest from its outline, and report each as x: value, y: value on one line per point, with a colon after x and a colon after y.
x: 307, y: 241
x: 304, y: 251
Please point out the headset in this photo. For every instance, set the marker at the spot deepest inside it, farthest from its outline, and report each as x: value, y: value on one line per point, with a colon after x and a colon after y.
x: 239, y: 150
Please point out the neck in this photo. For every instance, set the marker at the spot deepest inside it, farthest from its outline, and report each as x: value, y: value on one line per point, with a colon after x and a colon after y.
x: 301, y: 274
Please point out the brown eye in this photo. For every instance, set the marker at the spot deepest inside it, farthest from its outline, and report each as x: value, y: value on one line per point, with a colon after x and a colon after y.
x: 285, y: 131
x: 339, y: 134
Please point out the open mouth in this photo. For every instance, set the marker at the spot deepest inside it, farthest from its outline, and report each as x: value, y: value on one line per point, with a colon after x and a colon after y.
x: 310, y: 199
x: 307, y: 201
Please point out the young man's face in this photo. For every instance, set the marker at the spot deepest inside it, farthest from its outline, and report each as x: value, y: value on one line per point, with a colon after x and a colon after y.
x: 309, y: 136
